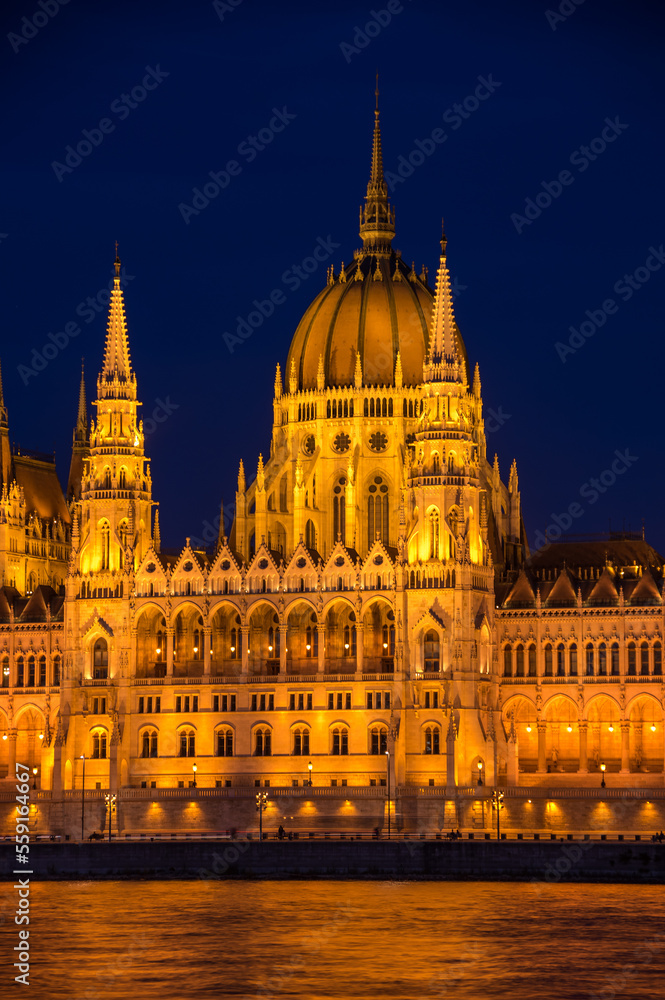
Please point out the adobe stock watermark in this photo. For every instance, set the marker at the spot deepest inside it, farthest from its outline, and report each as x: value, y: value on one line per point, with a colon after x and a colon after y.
x: 56, y: 342
x: 625, y: 288
x: 292, y: 278
x: 122, y: 107
x: 619, y: 981
x: 581, y: 158
x: 162, y: 411
x: 362, y: 36
x: 248, y: 149
x: 32, y: 25
x: 454, y: 116
x: 562, y: 13
x: 224, y: 7
x: 590, y: 491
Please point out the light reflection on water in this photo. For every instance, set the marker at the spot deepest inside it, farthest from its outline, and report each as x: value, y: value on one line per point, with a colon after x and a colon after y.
x: 322, y: 940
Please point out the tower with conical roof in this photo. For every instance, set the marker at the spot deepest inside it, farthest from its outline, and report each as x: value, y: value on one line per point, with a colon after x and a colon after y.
x: 80, y: 444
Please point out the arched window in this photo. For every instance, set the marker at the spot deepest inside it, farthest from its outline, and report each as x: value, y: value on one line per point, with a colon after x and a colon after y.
x: 560, y: 660
x: 644, y: 659
x: 349, y: 644
x: 339, y: 510
x: 149, y: 743
x: 657, y: 659
x: 548, y: 660
x: 572, y: 659
x: 632, y: 659
x: 589, y: 660
x: 100, y: 659
x: 274, y: 642
x: 519, y: 661
x: 105, y: 542
x: 377, y: 512
x: 378, y: 739
x: 602, y: 660
x: 301, y: 741
x: 4, y: 669
x: 614, y: 659
x: 225, y: 742
x: 41, y: 679
x: 236, y: 644
x: 310, y: 535
x: 262, y: 742
x: 122, y: 479
x: 507, y: 662
x: 311, y: 641
x: 532, y: 661
x: 388, y: 640
x: 432, y: 652
x: 340, y: 741
x: 187, y: 743
x: 99, y: 745
x: 436, y: 464
x: 433, y: 533
x: 20, y: 672
x: 31, y: 671
x: 106, y: 481
x: 432, y: 739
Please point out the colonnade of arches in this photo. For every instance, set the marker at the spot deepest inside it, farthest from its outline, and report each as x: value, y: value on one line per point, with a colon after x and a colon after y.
x: 636, y: 658
x: 301, y: 642
x: 560, y: 739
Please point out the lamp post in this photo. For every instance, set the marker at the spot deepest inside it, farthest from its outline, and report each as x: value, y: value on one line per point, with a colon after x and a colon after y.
x: 388, y: 769
x: 480, y: 772
x: 497, y: 802
x: 309, y: 768
x: 602, y: 768
x: 34, y: 777
x: 261, y: 802
x: 83, y: 798
x: 110, y: 805
x: 194, y: 769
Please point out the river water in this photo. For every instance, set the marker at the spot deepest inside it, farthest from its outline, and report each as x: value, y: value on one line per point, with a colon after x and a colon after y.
x: 319, y: 940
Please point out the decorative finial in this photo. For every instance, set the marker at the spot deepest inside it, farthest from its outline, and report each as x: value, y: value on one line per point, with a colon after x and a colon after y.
x: 116, y: 263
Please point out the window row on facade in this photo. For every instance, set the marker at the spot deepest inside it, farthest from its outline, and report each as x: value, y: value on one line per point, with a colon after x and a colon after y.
x: 593, y: 660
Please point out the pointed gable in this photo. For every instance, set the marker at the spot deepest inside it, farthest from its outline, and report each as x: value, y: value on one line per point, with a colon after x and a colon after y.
x: 562, y: 592
x: 152, y: 575
x: 188, y: 576
x: 263, y: 571
x: 521, y: 594
x: 378, y: 566
x: 604, y: 590
x: 302, y: 572
x: 340, y: 566
x: 646, y: 591
x: 226, y: 572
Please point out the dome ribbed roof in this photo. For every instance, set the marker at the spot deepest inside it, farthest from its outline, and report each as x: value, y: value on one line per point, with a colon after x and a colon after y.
x: 387, y: 312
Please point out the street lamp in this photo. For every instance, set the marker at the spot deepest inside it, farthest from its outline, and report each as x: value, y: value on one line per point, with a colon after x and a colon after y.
x: 388, y: 763
x: 261, y: 803
x: 602, y: 768
x: 34, y: 777
x: 309, y: 768
x: 480, y: 772
x: 194, y: 769
x: 83, y: 798
x: 497, y: 803
x: 110, y: 805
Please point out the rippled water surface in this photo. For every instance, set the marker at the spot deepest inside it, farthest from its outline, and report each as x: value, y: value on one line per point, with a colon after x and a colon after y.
x: 320, y: 940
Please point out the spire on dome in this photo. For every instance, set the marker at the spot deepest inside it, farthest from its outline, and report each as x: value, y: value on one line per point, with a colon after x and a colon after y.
x: 117, y: 369
x: 81, y: 429
x: 445, y: 360
x: 377, y: 217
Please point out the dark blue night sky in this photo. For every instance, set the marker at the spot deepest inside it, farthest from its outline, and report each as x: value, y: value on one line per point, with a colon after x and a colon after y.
x: 549, y: 175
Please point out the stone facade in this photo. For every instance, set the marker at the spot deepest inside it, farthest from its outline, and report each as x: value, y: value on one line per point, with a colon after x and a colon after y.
x: 375, y: 612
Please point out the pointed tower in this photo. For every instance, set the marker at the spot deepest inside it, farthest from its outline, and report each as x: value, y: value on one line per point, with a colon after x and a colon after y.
x: 80, y: 445
x: 116, y: 486
x: 445, y: 359
x: 377, y: 217
x: 5, y: 448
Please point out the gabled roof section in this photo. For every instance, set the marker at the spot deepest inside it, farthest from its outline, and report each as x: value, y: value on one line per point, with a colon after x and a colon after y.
x: 152, y: 558
x: 341, y: 558
x: 646, y: 591
x: 380, y: 552
x: 604, y: 591
x: 39, y: 604
x: 225, y: 554
x: 521, y: 593
x: 96, y: 621
x: 427, y: 619
x: 302, y: 552
x: 264, y: 554
x: 562, y: 592
x: 187, y: 556
x: 38, y: 479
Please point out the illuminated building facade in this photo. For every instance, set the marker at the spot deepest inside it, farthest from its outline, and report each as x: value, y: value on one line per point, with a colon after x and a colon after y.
x: 375, y: 611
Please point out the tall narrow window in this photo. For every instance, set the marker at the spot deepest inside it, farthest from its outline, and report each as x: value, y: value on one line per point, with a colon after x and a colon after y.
x: 432, y: 651
x: 560, y: 660
x: 225, y: 743
x: 378, y: 522
x: 632, y: 659
x: 339, y: 510
x: 532, y: 660
x: 507, y: 662
x: 548, y: 660
x: 378, y: 740
x: 589, y: 660
x: 105, y: 541
x: 310, y: 535
x: 614, y: 659
x: 519, y: 661
x: 100, y: 659
x: 434, y: 534
x: 602, y: 660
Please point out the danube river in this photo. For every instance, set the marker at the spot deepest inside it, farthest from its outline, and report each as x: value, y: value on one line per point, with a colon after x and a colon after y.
x: 318, y: 940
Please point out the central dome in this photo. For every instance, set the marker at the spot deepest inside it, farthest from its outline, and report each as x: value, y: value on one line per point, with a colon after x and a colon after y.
x: 387, y: 311
x: 375, y: 308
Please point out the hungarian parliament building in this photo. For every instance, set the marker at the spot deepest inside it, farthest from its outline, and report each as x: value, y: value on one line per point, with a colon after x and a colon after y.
x: 374, y: 626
